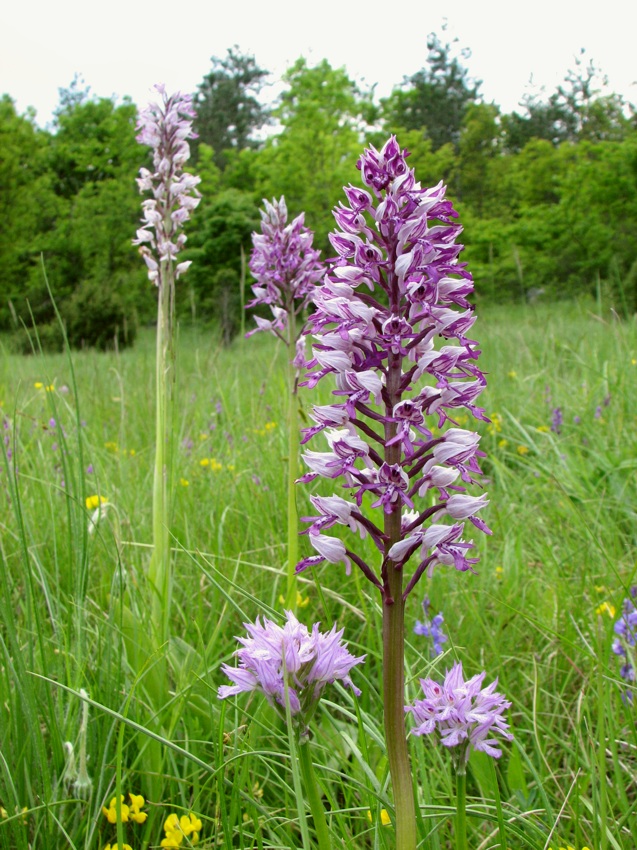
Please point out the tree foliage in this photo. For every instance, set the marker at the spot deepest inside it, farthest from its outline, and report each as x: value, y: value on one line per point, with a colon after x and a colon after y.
x: 547, y: 195
x: 227, y: 105
x: 434, y: 99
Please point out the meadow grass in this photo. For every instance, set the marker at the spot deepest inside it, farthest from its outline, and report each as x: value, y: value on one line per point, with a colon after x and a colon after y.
x: 538, y: 615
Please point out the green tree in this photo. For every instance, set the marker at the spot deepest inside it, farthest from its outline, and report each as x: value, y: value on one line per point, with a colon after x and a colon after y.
x: 434, y: 99
x: 28, y: 201
x: 314, y: 156
x: 227, y: 105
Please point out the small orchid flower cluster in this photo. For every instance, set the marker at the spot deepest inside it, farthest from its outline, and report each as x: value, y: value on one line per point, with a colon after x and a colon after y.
x: 275, y: 659
x: 431, y: 628
x: 626, y: 632
x: 166, y: 127
x: 395, y: 287
x: 286, y: 268
x: 465, y: 715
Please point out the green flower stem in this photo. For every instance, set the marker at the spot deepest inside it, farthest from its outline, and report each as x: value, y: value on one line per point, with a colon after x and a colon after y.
x: 394, y: 655
x: 159, y: 569
x: 461, y: 807
x: 314, y: 796
x: 293, y: 464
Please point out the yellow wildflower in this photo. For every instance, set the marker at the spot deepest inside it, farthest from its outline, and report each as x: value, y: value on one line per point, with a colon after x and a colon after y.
x: 177, y: 827
x: 111, y: 812
x: 502, y: 444
x: 50, y: 388
x: 116, y: 847
x: 384, y: 817
x: 512, y: 374
x: 111, y: 446
x: 270, y: 426
x: 495, y: 426
x: 136, y: 803
x: 93, y: 502
x: 634, y: 363
x: 184, y: 482
x: 301, y: 601
x: 606, y: 608
x: 38, y: 385
x: 522, y: 450
x: 543, y: 429
x: 499, y: 572
x: 3, y: 812
x: 599, y: 588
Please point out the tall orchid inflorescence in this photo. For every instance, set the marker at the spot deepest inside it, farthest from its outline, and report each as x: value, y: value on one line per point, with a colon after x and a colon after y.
x: 399, y: 244
x: 287, y: 269
x: 395, y: 288
x: 166, y: 127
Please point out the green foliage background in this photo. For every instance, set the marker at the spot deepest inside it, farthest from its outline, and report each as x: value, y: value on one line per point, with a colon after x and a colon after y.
x: 547, y: 194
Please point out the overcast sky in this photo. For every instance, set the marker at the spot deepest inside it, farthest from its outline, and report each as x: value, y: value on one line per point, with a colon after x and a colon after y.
x: 122, y: 47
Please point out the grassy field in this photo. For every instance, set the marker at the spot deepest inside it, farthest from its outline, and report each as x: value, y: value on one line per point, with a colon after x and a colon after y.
x: 539, y: 614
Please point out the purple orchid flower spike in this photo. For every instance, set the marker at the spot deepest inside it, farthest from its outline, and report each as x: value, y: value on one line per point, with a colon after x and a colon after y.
x: 286, y: 268
x: 393, y: 291
x: 166, y: 127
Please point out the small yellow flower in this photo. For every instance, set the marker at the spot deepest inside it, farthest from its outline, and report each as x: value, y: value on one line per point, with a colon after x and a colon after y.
x: 599, y: 588
x: 136, y: 803
x: 111, y: 812
x: 606, y: 608
x: 301, y: 601
x: 499, y: 572
x: 522, y: 450
x: 132, y: 452
x: 543, y: 429
x: 257, y: 791
x: 384, y: 817
x: 50, y: 388
x: 93, y: 502
x: 116, y: 847
x: 38, y: 385
x: 203, y: 437
x: 3, y: 812
x: 270, y: 426
x: 512, y: 374
x: 205, y: 461
x: 634, y: 363
x: 184, y: 482
x: 502, y: 444
x: 495, y: 426
x: 111, y: 446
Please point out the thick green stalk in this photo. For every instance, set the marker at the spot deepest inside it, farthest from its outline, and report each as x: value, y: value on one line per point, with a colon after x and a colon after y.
x: 314, y: 796
x: 293, y: 464
x: 461, y: 807
x: 159, y: 569
x: 393, y: 657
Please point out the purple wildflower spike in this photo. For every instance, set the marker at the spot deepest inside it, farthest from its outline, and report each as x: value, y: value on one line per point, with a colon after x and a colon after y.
x: 464, y: 714
x: 393, y: 289
x: 166, y: 127
x: 309, y: 659
x: 431, y: 628
x: 286, y: 268
x: 626, y: 639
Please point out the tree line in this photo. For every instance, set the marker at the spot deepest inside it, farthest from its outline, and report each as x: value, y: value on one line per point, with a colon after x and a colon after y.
x: 547, y: 194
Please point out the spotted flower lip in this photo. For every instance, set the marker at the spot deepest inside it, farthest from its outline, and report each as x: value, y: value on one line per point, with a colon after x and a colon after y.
x: 273, y: 656
x: 463, y: 713
x: 391, y: 328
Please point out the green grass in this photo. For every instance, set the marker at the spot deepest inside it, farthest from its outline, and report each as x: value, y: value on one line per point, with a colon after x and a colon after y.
x: 73, y: 613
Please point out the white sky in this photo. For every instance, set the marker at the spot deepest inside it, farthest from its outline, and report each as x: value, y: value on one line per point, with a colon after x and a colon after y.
x: 124, y: 46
